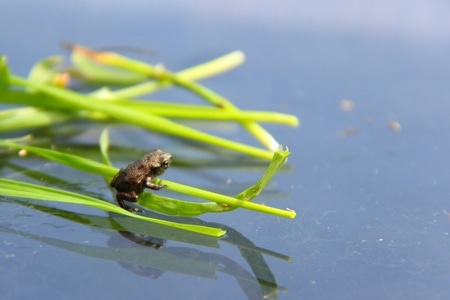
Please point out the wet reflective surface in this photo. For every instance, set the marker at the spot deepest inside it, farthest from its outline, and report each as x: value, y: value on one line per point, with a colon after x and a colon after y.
x: 368, y: 177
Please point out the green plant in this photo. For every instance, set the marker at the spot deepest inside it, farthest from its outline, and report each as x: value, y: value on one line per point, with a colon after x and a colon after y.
x: 43, y: 100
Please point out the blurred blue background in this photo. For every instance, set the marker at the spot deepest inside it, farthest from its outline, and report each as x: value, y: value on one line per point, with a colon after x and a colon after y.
x: 370, y: 185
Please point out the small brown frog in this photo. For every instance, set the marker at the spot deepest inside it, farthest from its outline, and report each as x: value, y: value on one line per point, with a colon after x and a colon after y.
x: 132, y: 180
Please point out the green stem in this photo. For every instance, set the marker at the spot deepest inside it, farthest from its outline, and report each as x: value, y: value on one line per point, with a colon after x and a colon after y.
x: 143, y: 119
x: 178, y: 110
x: 164, y: 76
x: 222, y: 199
x: 107, y: 171
x: 163, y: 109
x: 30, y: 191
x: 198, y: 72
x: 254, y: 128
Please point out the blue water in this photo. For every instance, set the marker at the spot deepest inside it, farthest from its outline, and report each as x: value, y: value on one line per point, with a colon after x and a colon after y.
x: 372, y: 206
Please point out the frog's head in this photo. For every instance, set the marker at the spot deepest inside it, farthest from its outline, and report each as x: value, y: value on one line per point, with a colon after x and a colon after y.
x: 160, y: 161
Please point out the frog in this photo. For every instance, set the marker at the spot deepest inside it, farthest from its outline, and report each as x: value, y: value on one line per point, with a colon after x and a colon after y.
x: 131, y: 181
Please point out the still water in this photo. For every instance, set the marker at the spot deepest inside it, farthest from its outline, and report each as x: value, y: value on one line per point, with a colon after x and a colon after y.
x: 369, y: 184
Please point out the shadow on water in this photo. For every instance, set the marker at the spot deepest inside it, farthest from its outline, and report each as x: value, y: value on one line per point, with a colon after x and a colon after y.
x: 141, y: 248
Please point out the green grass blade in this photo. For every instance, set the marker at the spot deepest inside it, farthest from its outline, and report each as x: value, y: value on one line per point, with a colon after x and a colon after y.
x: 143, y: 119
x: 176, y: 207
x: 4, y: 73
x: 104, y: 147
x: 18, y: 189
x: 198, y: 72
x: 74, y: 161
x: 30, y: 117
x: 92, y: 72
x: 163, y: 75
x: 202, y: 112
x: 278, y: 161
x: 225, y: 202
x: 44, y: 71
x: 151, y: 107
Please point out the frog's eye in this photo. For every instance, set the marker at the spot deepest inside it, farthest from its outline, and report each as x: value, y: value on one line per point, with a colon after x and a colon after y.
x: 161, y: 169
x: 165, y: 163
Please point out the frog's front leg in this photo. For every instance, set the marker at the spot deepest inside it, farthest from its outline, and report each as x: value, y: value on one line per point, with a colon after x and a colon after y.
x: 152, y: 185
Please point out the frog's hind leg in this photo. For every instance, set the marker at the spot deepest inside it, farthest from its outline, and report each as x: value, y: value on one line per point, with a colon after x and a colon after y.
x: 122, y: 204
x: 122, y: 197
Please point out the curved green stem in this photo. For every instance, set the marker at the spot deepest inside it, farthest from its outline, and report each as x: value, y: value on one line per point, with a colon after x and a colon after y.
x: 166, y: 77
x: 133, y: 116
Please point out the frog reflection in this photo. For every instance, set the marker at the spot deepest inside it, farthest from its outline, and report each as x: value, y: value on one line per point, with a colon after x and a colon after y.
x: 142, y: 240
x: 129, y: 182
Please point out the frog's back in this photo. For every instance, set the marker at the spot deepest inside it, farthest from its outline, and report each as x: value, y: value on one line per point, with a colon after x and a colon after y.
x: 136, y: 172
